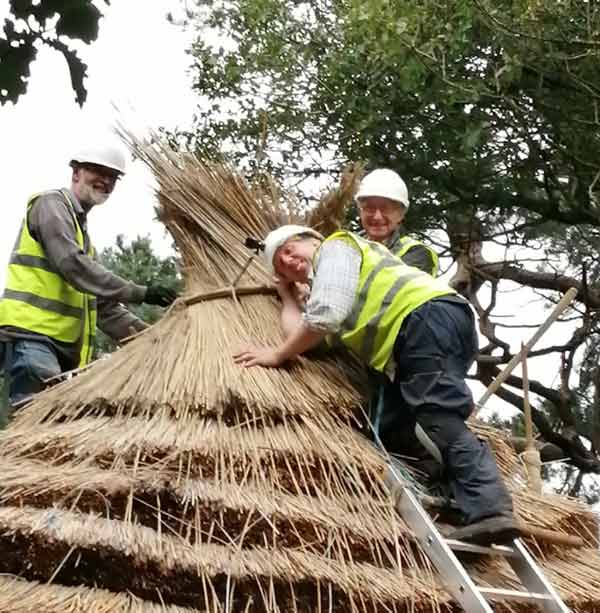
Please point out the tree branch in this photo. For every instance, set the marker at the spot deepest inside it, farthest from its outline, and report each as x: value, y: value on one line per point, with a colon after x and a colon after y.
x: 534, y: 386
x: 539, y: 280
x: 548, y: 451
x: 569, y: 442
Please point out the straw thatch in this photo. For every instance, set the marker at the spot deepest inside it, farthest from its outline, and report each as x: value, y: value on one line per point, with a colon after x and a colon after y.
x: 329, y: 214
x: 168, y: 478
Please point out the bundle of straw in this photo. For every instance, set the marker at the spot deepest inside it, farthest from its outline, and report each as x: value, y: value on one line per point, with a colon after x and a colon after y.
x: 329, y: 214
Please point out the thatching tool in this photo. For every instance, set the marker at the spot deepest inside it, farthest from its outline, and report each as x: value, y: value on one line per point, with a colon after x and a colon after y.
x: 531, y: 455
x: 564, y: 302
x: 257, y: 246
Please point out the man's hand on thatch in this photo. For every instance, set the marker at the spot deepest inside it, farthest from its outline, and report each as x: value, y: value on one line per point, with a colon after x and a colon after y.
x: 160, y: 295
x: 301, y: 339
x: 258, y: 356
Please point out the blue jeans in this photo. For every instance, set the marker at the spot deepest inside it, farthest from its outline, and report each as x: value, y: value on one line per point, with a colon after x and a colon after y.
x: 26, y: 364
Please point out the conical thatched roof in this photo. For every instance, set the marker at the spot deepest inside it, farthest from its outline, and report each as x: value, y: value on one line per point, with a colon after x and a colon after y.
x: 166, y: 478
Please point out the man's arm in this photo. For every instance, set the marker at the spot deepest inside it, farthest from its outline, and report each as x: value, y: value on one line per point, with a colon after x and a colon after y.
x: 116, y: 321
x: 52, y: 225
x: 291, y: 312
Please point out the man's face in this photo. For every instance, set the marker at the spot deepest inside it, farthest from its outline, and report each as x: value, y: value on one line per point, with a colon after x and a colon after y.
x: 293, y: 260
x: 380, y: 217
x: 93, y: 184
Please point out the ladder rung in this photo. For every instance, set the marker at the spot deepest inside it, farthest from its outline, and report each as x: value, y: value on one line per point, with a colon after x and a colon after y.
x: 493, y: 550
x: 493, y: 593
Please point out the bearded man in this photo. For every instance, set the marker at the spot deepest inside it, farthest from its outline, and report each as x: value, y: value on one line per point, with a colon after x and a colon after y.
x: 56, y: 292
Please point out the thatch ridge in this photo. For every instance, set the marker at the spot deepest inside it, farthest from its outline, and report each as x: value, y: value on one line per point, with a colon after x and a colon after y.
x: 105, y: 545
x: 295, y: 457
x: 174, y: 452
x: 123, y: 436
x: 25, y: 481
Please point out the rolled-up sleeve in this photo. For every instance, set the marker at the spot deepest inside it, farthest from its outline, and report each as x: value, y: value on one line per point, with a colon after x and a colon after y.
x: 335, y: 286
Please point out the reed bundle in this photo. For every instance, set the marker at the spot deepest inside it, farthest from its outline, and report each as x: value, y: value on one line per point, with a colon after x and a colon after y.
x: 329, y: 214
x: 168, y: 478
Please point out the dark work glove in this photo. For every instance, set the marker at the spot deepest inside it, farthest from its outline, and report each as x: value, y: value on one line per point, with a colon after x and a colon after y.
x: 160, y: 295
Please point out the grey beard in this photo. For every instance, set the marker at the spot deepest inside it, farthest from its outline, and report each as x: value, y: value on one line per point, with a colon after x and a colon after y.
x: 92, y: 197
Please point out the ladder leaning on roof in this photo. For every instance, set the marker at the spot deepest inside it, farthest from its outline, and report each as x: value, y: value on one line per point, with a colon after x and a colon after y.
x: 454, y: 575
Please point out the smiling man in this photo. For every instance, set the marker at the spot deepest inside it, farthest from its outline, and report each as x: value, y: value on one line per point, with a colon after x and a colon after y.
x: 56, y: 292
x: 404, y: 324
x: 382, y: 200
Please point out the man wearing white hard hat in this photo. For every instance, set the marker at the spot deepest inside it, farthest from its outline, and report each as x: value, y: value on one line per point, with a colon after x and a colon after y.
x: 56, y: 292
x: 404, y: 324
x: 382, y: 200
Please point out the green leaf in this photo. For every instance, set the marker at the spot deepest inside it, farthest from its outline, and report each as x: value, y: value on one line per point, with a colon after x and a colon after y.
x: 472, y: 138
x: 16, y: 54
x: 79, y: 21
x: 77, y: 71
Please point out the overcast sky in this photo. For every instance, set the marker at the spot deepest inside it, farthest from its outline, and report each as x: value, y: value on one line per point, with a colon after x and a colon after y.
x: 139, y: 63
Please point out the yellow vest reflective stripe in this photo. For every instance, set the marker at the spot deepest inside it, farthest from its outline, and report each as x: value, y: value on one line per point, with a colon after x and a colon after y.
x: 38, y: 299
x: 407, y: 243
x: 388, y: 290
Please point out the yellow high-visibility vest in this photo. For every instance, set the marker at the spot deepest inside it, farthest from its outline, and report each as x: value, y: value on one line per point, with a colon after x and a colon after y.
x: 407, y: 243
x: 388, y: 290
x: 38, y: 299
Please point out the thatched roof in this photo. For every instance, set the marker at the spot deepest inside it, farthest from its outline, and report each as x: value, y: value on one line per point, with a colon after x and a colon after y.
x: 168, y: 478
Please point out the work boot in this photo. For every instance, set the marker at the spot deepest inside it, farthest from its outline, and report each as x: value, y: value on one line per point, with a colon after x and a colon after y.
x: 496, y: 530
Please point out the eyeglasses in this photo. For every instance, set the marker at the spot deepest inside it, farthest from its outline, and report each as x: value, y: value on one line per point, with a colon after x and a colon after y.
x: 385, y: 208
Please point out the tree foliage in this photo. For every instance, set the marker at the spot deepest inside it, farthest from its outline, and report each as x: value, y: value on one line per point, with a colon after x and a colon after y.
x: 466, y: 98
x: 54, y: 23
x: 490, y: 108
x: 137, y: 262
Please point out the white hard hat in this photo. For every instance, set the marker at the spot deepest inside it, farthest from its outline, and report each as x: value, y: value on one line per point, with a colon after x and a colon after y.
x: 384, y: 183
x: 103, y: 155
x: 278, y: 237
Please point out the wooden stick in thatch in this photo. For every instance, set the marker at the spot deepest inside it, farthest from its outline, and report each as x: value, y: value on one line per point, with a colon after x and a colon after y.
x: 531, y: 455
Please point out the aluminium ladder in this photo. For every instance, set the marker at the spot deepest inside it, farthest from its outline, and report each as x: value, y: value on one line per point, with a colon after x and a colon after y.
x: 440, y: 550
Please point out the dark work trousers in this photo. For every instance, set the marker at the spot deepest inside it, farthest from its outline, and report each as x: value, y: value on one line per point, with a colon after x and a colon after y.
x: 433, y: 352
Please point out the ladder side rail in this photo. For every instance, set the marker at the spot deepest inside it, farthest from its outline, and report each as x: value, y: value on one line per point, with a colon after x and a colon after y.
x: 533, y: 579
x: 451, y: 571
